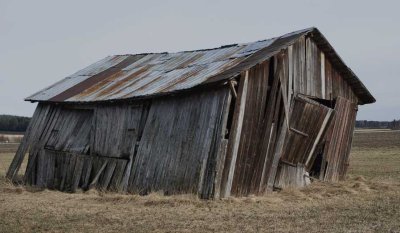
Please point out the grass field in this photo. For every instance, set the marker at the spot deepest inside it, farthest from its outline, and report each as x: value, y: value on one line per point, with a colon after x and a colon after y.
x: 368, y: 201
x: 10, y: 137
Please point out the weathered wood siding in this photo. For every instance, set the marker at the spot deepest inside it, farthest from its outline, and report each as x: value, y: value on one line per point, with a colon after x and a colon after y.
x: 71, y: 131
x: 172, y: 144
x: 31, y: 136
x: 266, y: 135
x: 248, y: 168
x: 178, y: 149
x: 116, y: 129
x: 289, y: 176
x: 311, y: 73
x: 338, y: 141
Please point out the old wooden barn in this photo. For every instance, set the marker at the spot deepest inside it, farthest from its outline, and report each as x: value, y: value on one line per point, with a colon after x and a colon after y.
x: 231, y: 121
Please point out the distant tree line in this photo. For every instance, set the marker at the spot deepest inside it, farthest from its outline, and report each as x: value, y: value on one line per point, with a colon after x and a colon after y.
x: 13, y: 123
x: 395, y: 124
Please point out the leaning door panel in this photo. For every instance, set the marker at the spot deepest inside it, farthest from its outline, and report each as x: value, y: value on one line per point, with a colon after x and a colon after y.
x: 307, y: 126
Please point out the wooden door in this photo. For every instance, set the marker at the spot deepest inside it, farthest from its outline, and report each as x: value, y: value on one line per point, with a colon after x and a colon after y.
x: 307, y: 125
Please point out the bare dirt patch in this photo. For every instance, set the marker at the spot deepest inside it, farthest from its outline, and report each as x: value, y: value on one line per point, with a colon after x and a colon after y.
x: 368, y: 201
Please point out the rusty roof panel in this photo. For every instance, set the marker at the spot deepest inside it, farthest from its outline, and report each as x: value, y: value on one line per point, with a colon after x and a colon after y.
x: 130, y: 76
x: 76, y: 78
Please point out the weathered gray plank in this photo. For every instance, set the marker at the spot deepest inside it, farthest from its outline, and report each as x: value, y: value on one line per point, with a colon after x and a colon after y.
x: 34, y: 130
x: 236, y: 133
x: 176, y: 140
x: 277, y: 155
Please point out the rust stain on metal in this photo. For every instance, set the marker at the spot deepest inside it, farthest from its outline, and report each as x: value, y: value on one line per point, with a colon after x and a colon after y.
x: 100, y: 89
x: 93, y: 80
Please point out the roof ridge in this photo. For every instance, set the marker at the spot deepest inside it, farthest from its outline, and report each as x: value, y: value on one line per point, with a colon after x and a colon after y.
x: 222, y: 46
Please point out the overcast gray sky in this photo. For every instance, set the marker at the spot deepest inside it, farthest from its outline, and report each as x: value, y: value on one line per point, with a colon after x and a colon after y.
x: 42, y: 42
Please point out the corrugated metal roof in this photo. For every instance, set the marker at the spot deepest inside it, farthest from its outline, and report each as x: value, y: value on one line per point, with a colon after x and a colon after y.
x: 130, y: 76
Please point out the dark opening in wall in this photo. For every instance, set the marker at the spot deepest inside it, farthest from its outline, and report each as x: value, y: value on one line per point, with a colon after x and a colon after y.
x: 327, y: 103
x: 230, y: 114
x: 315, y: 170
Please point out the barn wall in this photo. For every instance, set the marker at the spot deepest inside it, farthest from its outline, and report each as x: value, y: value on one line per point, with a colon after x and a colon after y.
x: 171, y: 144
x: 308, y: 123
x: 283, y: 127
x: 254, y: 149
x: 338, y: 141
x: 177, y: 152
x: 311, y: 73
x: 250, y: 159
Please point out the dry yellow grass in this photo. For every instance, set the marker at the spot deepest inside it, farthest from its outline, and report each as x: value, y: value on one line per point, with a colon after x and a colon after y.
x: 369, y: 201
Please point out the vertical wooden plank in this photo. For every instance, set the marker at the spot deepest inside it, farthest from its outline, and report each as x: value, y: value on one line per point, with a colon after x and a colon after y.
x: 41, y: 138
x: 222, y: 148
x: 88, y: 163
x: 299, y: 66
x: 323, y: 85
x: 25, y: 143
x: 41, y: 174
x: 270, y: 128
x: 236, y: 133
x: 115, y: 183
x: 337, y: 148
x: 64, y: 172
x: 310, y: 67
x: 276, y: 157
x: 98, y: 173
x: 77, y: 172
x: 346, y: 157
x: 50, y: 170
x: 317, y: 71
x: 209, y: 187
x: 222, y: 153
x: 290, y: 74
x: 328, y: 80
x: 313, y: 63
x: 108, y: 173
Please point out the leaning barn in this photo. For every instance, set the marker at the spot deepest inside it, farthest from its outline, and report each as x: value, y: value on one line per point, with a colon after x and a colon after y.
x: 236, y: 120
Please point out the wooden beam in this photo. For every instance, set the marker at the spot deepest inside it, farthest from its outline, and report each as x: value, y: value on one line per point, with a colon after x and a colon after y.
x: 319, y: 135
x: 288, y: 163
x: 298, y: 132
x: 232, y: 85
x: 282, y: 78
x: 323, y: 84
x: 290, y: 74
x: 236, y: 134
x: 277, y: 155
x: 222, y: 148
x: 96, y: 178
